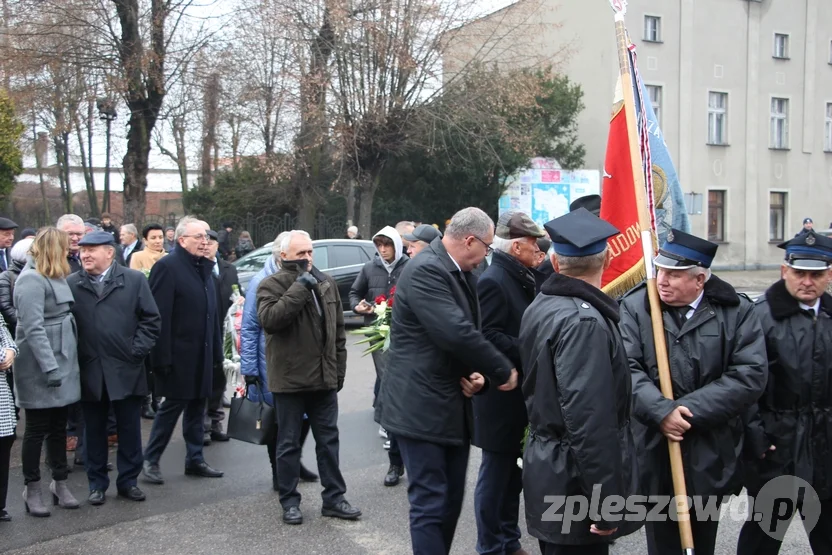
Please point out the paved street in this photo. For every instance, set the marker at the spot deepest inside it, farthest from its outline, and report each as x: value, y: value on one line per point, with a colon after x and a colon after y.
x: 240, y: 512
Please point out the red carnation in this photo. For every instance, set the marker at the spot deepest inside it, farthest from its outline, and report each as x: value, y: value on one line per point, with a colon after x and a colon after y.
x: 380, y: 299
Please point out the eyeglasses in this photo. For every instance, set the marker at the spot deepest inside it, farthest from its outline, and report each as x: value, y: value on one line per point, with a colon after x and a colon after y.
x: 488, y: 249
x: 198, y: 236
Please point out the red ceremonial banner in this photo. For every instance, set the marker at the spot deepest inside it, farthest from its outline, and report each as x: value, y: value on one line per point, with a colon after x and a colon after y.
x: 618, y: 206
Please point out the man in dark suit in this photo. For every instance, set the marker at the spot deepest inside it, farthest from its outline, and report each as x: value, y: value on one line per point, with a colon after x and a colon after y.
x: 118, y: 323
x: 225, y: 278
x: 183, y: 370
x: 130, y: 242
x: 505, y: 289
x: 438, y: 359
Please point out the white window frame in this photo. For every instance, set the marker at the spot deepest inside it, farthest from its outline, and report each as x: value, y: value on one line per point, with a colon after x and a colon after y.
x: 718, y: 119
x: 786, y: 39
x: 657, y: 104
x: 786, y: 226
x: 777, y: 120
x: 827, y: 128
x: 648, y: 31
x: 724, y: 214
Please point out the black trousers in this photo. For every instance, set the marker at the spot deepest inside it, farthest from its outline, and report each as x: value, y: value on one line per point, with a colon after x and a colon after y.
x: 754, y: 541
x: 214, y: 413
x: 436, y: 487
x: 395, y: 452
x: 5, y: 460
x: 663, y: 537
x: 49, y: 425
x: 322, y: 409
x: 129, y: 457
x: 165, y: 423
x: 271, y: 444
x: 497, y: 503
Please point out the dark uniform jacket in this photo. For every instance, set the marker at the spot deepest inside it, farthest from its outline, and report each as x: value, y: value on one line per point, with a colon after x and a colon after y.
x: 578, y: 395
x: 795, y: 412
x: 718, y: 368
x: 435, y: 340
x: 505, y: 290
x: 305, y: 350
x: 190, y: 343
x: 139, y: 247
x: 116, y: 331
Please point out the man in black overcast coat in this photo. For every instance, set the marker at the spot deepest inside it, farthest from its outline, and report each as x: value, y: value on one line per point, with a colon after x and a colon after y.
x: 118, y: 323
x: 188, y: 347
x: 438, y: 359
x: 225, y: 278
x: 505, y: 289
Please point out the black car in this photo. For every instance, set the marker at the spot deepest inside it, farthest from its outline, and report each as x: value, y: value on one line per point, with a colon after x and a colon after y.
x: 340, y: 258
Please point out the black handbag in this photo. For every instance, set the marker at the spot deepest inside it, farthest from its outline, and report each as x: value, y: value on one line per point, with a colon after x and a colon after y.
x: 251, y: 421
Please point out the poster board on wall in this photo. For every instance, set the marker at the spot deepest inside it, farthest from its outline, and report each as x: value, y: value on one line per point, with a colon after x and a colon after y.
x: 544, y: 191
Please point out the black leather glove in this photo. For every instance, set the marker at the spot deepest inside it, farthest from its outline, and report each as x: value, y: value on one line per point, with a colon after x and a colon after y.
x: 340, y: 385
x: 52, y: 380
x: 252, y: 380
x: 307, y: 280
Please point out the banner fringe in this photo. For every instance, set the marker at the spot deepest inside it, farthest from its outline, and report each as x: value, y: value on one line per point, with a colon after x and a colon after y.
x: 626, y: 281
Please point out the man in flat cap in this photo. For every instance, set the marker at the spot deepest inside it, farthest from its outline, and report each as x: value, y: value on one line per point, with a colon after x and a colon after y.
x: 794, y: 412
x: 7, y: 228
x: 420, y: 238
x: 577, y: 390
x: 505, y: 290
x: 718, y: 364
x: 118, y: 324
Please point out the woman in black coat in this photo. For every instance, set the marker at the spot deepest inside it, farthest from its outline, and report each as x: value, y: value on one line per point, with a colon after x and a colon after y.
x: 7, y: 279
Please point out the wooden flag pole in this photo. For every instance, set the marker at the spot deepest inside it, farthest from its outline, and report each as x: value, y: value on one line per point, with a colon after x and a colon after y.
x: 677, y: 470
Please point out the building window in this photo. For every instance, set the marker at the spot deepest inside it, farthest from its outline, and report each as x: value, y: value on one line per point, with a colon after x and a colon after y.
x: 779, y: 123
x: 776, y: 216
x: 827, y: 138
x: 716, y: 216
x: 717, y: 118
x: 655, y: 94
x: 781, y: 46
x: 652, y: 28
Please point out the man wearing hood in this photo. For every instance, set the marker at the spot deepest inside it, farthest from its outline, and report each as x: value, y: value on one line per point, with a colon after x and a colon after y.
x: 377, y: 279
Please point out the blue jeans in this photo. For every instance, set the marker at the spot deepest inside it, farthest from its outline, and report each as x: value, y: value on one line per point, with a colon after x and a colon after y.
x: 165, y: 422
x: 436, y: 488
x: 497, y: 504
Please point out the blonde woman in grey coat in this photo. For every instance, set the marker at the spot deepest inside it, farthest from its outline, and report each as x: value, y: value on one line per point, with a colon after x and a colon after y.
x: 46, y: 374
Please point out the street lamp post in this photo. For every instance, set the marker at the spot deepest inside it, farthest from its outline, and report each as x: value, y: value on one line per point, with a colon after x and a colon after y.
x: 107, y: 112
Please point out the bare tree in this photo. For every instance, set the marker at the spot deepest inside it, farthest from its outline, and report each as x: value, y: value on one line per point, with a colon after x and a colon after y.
x: 388, y: 60
x: 210, y: 106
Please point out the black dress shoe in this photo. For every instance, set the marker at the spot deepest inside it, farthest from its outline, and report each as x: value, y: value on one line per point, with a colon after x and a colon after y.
x: 110, y: 467
x: 202, y: 469
x: 5, y: 516
x: 342, y: 510
x: 148, y: 413
x: 97, y: 497
x: 133, y: 493
x: 307, y: 475
x: 292, y: 515
x: 152, y: 473
x: 206, y: 439
x: 393, y: 474
x: 219, y: 436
